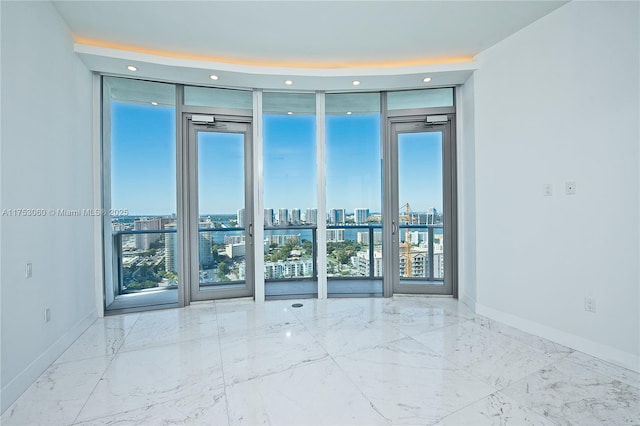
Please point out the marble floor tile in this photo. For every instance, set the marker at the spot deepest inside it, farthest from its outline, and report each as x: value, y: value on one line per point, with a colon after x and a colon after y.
x: 208, y: 408
x: 583, y: 362
x: 317, y: 393
x: 341, y: 336
x: 401, y: 360
x: 170, y: 326
x: 237, y: 317
x: 496, y: 359
x: 416, y: 317
x: 569, y: 394
x: 136, y: 379
x: 355, y: 307
x: 495, y: 409
x: 539, y: 343
x: 261, y: 351
x: 58, y: 395
x: 103, y: 338
x: 410, y: 384
x: 451, y: 305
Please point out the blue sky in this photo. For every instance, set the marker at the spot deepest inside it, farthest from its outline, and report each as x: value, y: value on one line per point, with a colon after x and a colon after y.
x: 144, y: 174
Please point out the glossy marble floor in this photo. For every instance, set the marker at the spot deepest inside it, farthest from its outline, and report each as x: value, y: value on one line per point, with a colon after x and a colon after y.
x: 407, y: 360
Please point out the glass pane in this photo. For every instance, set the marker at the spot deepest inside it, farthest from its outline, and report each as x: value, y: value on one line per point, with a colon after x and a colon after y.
x: 289, y: 126
x: 353, y: 173
x: 139, y: 126
x: 424, y: 98
x: 222, y: 98
x: 420, y: 194
x: 221, y: 235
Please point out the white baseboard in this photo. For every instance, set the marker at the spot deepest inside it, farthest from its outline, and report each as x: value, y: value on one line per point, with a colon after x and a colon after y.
x: 16, y: 387
x: 468, y: 301
x: 598, y: 350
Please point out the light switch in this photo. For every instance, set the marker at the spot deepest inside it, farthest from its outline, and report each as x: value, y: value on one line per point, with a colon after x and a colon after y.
x: 570, y: 188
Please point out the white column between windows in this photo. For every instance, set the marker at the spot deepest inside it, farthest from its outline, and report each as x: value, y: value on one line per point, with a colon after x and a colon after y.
x: 321, y: 236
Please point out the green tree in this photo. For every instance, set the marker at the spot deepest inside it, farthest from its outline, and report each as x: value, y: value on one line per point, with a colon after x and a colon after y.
x: 223, y: 270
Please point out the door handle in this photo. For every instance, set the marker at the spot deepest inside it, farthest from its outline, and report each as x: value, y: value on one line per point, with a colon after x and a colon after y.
x: 394, y: 228
x: 251, y: 230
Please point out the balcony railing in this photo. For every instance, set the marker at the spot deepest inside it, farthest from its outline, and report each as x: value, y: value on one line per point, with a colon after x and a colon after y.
x: 146, y: 259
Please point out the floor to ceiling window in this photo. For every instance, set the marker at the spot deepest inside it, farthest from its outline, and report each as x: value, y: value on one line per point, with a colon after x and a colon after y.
x: 353, y: 193
x: 139, y: 150
x: 290, y: 196
x: 184, y: 207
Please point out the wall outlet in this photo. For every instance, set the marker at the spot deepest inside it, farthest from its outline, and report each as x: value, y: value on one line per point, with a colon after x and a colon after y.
x: 570, y: 188
x: 28, y: 270
x: 590, y: 304
x: 547, y: 190
x: 47, y: 314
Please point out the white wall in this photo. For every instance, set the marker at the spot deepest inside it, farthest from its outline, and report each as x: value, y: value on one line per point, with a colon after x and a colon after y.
x: 557, y: 102
x: 466, y: 185
x: 46, y: 155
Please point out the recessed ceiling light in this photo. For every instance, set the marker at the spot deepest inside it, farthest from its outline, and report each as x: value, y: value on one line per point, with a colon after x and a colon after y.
x: 132, y: 68
x: 426, y: 79
x: 154, y: 103
x: 213, y: 77
x: 356, y: 83
x: 288, y: 82
x: 290, y: 113
x: 348, y: 112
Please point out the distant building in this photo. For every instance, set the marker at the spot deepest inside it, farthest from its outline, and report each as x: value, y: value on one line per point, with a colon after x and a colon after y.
x: 241, y: 218
x: 144, y: 241
x: 419, y: 262
x: 170, y: 249
x: 360, y: 215
x: 311, y: 216
x: 268, y: 217
x: 233, y: 239
x: 282, y: 239
x: 336, y: 216
x: 288, y: 269
x: 335, y: 235
x: 295, y: 216
x: 205, y: 243
x: 283, y: 217
x: 235, y: 250
x: 363, y: 238
x: 360, y: 263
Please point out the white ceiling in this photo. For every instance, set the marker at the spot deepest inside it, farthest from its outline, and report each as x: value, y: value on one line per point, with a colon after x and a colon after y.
x: 294, y: 35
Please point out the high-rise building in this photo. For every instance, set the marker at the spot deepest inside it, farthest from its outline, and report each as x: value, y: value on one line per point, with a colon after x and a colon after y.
x: 170, y: 248
x: 268, y: 217
x: 336, y: 216
x: 241, y: 218
x: 335, y: 235
x: 144, y: 241
x: 233, y: 239
x: 360, y: 215
x: 419, y: 262
x: 283, y: 217
x: 363, y: 238
x: 311, y: 216
x: 295, y: 216
x: 282, y: 239
x: 361, y: 263
x: 205, y: 243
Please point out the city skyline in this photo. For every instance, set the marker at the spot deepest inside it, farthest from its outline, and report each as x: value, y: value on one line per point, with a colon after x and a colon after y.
x: 143, y: 169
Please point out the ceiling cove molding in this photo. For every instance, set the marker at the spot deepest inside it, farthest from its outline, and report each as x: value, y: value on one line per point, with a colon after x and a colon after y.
x: 192, y: 71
